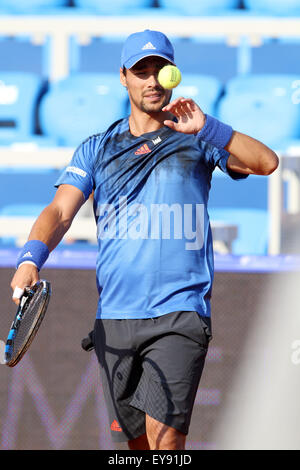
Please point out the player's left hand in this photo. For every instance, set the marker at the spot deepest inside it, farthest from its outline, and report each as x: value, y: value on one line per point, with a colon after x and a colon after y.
x: 190, y: 117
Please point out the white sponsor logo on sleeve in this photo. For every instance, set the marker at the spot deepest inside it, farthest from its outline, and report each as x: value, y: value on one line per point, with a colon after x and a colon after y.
x: 78, y: 171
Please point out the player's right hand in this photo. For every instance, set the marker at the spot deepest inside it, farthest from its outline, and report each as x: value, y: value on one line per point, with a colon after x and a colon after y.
x: 190, y: 117
x: 26, y: 275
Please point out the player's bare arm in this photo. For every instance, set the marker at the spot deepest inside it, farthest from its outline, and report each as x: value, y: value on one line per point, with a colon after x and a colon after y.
x: 50, y: 227
x: 250, y: 156
x: 247, y: 155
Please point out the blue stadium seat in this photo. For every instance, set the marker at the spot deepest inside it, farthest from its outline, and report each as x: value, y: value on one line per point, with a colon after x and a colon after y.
x: 242, y: 203
x: 250, y: 193
x: 25, y: 192
x: 24, y: 210
x: 277, y: 84
x: 18, y: 210
x: 205, y: 90
x: 115, y: 7
x: 253, y: 228
x: 262, y: 106
x: 19, y: 93
x: 82, y: 105
x: 31, y: 6
x: 26, y: 186
x: 274, y: 7
x: 203, y: 7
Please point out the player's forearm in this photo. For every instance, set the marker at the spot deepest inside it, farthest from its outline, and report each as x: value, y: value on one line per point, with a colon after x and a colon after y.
x: 250, y: 155
x: 50, y: 227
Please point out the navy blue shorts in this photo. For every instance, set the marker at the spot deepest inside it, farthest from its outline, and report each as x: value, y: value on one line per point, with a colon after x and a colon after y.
x: 151, y: 366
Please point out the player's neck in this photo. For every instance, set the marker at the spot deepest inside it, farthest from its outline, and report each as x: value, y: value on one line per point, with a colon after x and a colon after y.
x: 144, y: 122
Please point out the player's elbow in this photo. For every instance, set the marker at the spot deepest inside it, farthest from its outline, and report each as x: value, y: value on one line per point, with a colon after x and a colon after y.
x: 271, y: 162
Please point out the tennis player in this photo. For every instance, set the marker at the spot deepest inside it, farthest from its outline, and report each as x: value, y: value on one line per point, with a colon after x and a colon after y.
x: 151, y: 174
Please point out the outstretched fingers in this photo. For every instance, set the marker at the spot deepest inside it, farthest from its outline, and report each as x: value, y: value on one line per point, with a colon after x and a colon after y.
x: 181, y: 106
x: 190, y: 118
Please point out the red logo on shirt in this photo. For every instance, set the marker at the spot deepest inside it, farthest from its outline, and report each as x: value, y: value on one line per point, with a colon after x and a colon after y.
x: 142, y: 150
x: 115, y: 426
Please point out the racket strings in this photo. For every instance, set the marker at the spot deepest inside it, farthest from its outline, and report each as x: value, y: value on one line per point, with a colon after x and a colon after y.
x: 31, y: 315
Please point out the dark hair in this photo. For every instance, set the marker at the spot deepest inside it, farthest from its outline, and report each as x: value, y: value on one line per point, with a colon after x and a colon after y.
x: 124, y: 70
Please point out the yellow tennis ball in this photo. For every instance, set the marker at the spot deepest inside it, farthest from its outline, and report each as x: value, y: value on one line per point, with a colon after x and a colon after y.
x: 169, y: 76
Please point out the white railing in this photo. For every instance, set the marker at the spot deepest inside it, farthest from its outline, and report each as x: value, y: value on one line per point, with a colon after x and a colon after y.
x: 30, y: 155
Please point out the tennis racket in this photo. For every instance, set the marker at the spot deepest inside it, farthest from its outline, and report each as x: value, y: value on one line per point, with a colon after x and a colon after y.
x: 29, y: 316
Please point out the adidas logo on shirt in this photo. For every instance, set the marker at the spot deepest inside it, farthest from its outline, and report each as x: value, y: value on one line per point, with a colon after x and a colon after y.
x: 142, y: 150
x: 27, y: 254
x: 115, y: 426
x: 149, y: 45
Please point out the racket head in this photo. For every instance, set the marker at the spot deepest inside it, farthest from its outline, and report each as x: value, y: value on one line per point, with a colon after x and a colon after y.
x: 31, y: 311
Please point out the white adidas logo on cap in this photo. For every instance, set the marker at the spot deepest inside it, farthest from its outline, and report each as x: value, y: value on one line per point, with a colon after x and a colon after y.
x: 149, y: 45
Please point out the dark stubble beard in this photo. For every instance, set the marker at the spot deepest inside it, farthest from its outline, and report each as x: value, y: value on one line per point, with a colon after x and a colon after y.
x: 154, y: 107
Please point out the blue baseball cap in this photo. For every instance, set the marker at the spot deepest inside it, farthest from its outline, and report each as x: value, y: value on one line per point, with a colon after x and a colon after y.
x: 144, y: 44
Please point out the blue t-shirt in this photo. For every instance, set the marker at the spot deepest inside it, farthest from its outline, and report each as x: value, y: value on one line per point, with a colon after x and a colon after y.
x: 150, y: 204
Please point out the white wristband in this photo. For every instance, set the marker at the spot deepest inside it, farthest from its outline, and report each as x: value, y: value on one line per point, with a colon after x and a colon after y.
x: 28, y: 262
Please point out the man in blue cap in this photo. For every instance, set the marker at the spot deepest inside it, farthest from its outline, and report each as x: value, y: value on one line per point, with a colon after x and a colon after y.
x: 151, y: 175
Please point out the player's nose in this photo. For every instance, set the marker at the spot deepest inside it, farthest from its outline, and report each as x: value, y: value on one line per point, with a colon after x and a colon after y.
x: 152, y: 80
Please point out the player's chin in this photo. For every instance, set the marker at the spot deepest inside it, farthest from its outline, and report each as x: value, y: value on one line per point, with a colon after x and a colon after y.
x: 154, y: 107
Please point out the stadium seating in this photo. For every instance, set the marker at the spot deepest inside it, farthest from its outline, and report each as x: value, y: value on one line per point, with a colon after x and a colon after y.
x: 81, y: 105
x: 273, y: 7
x: 115, y: 7
x: 280, y: 84
x: 86, y: 103
x: 24, y: 210
x: 31, y: 6
x: 192, y: 7
x: 262, y: 106
x: 24, y: 193
x: 204, y: 89
x: 252, y: 225
x: 26, y: 187
x: 248, y: 193
x: 19, y: 93
x: 18, y: 210
x: 243, y: 203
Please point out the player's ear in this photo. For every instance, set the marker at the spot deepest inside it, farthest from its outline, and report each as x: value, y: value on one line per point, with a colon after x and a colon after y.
x: 123, y: 77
